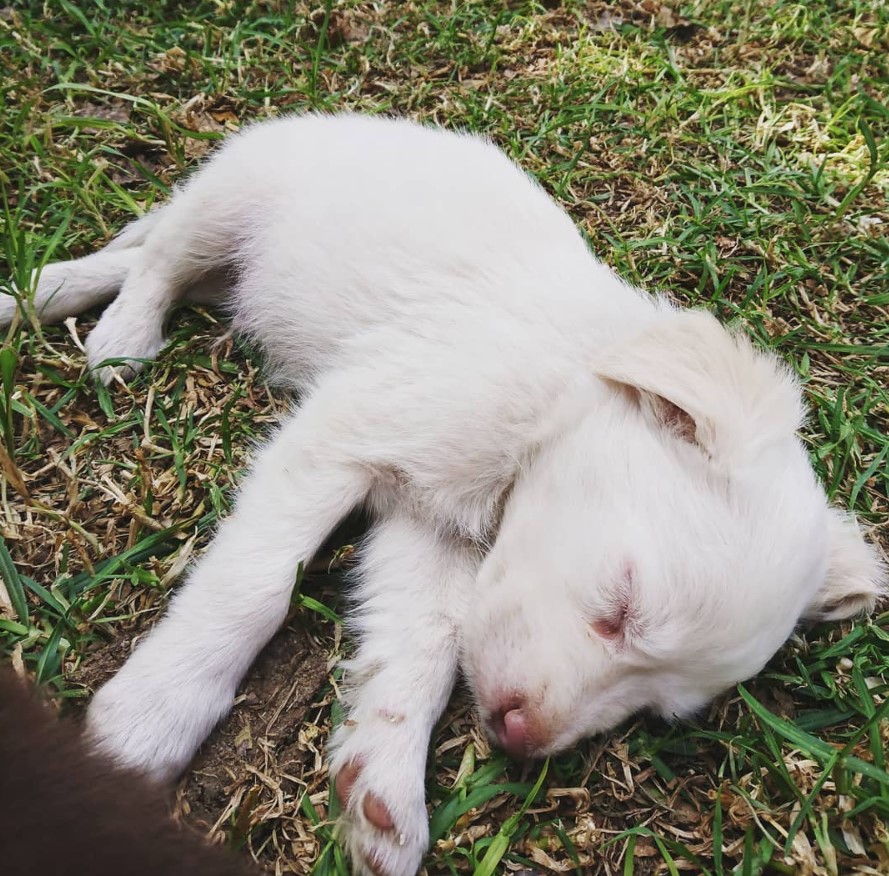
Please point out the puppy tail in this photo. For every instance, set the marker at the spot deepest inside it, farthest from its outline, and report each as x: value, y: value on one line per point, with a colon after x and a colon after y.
x: 136, y: 233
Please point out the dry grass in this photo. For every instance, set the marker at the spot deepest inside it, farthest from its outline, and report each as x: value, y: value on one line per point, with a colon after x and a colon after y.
x: 734, y: 154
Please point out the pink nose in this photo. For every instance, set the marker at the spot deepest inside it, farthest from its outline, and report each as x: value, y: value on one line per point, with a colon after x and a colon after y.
x: 512, y: 727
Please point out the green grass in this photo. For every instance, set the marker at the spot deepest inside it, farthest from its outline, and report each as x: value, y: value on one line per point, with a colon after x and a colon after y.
x: 733, y: 154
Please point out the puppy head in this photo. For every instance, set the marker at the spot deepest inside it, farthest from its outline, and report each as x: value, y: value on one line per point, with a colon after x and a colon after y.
x: 662, y: 548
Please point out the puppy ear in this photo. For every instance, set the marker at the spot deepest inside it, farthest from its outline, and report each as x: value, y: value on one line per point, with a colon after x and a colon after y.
x: 856, y: 576
x: 706, y: 385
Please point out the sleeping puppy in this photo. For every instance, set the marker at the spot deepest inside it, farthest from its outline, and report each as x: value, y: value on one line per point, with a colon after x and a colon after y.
x: 66, y: 811
x: 589, y: 501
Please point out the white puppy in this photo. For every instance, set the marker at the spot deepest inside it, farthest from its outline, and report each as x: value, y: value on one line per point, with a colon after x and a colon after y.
x: 590, y: 501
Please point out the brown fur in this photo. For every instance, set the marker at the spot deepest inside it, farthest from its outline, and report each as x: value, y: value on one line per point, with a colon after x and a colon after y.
x: 64, y: 811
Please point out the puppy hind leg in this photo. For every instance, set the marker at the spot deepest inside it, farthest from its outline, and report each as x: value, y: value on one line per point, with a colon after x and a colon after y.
x: 130, y: 331
x: 178, y: 253
x: 67, y: 288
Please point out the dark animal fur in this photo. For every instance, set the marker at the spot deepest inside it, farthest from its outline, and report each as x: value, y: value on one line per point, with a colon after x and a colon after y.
x: 67, y: 812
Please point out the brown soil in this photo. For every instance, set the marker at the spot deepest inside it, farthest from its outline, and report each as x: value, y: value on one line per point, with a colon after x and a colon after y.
x: 258, y: 747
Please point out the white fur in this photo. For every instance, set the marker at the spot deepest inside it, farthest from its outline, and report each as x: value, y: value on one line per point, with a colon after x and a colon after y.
x: 496, y: 396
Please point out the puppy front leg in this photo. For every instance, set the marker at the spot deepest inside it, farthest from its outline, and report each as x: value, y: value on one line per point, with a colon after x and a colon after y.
x: 415, y: 584
x: 181, y: 679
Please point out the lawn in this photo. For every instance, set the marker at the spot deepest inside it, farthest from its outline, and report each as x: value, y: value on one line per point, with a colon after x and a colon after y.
x: 734, y: 155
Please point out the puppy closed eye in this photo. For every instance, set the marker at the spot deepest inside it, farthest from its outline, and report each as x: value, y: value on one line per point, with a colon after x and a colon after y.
x: 612, y: 626
x: 615, y: 621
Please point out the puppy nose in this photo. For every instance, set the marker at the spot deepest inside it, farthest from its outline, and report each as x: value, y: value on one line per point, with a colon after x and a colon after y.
x: 510, y: 723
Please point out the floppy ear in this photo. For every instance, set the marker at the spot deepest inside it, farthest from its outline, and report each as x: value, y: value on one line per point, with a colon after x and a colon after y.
x: 856, y: 576
x: 706, y: 385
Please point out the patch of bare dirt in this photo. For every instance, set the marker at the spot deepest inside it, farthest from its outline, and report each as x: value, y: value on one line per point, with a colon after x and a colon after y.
x: 251, y: 768
x: 263, y: 732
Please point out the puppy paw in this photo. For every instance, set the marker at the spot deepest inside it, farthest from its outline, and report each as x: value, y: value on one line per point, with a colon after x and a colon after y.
x: 116, y: 337
x: 151, y: 724
x: 384, y: 822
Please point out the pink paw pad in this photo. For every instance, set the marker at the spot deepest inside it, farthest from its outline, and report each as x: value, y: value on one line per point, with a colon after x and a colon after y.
x: 345, y: 781
x: 377, y: 813
x: 376, y: 867
x: 374, y: 809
